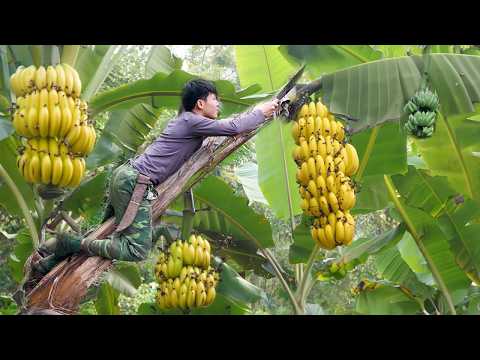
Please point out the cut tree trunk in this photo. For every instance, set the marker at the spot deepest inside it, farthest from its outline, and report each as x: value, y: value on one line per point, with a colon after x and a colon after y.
x: 63, y: 288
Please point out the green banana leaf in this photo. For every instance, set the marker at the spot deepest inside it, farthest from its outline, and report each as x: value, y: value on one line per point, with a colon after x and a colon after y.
x: 449, y: 152
x: 247, y: 175
x: 107, y: 300
x: 105, y: 152
x: 94, y: 64
x: 387, y: 84
x: 20, y: 55
x: 220, y: 306
x: 6, y: 128
x: 411, y: 254
x: 8, y: 149
x: 391, y: 266
x: 364, y: 247
x: 386, y: 300
x: 164, y: 90
x: 88, y: 197
x: 22, y: 250
x: 129, y: 128
x: 322, y: 59
x: 388, y: 154
x: 431, y: 193
x: 230, y: 218
x: 393, y: 51
x: 4, y: 72
x: 265, y: 65
x: 161, y: 59
x: 372, y: 195
x: 303, y: 242
x: 125, y: 278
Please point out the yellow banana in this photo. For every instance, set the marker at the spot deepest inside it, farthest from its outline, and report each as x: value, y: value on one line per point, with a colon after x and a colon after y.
x: 318, y: 127
x: 297, y: 154
x: 14, y: 84
x: 312, y: 188
x: 312, y: 171
x: 34, y: 167
x: 77, y: 84
x: 319, y: 109
x: 55, y: 121
x: 310, y: 130
x: 304, y: 174
x: 314, y: 207
x: 62, y: 99
x: 57, y: 166
x: 314, y: 233
x: 303, y: 111
x: 344, y: 155
x: 320, y: 166
x: 321, y: 185
x: 332, y: 219
x: 330, y: 236
x: 67, y: 124
x: 68, y: 79
x: 191, y: 298
x: 20, y: 102
x: 326, y: 127
x: 43, y: 147
x: 182, y: 300
x: 60, y: 77
x: 340, y: 132
x: 323, y: 203
x: 41, y: 78
x: 329, y: 146
x: 353, y: 161
x: 173, y: 298
x: 28, y: 79
x: 302, y: 125
x: 46, y: 169
x: 51, y: 77
x: 43, y: 98
x: 349, y: 232
x: 312, y: 109
x: 336, y: 147
x: 322, y: 147
x: 35, y: 100
x: 53, y: 99
x: 339, y: 233
x: 305, y: 150
x: 331, y: 183
x: 73, y: 135
x: 333, y: 201
x: 32, y: 121
x: 340, y: 164
x: 67, y: 171
x: 304, y: 204
x: 211, y: 293
x: 199, y: 254
x: 333, y: 129
x: 71, y: 104
x: 77, y: 173
x: 193, y: 240
x: 312, y: 146
x: 43, y: 121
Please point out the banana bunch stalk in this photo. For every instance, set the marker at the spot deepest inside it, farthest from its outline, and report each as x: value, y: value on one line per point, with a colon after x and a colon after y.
x: 48, y: 110
x: 186, y: 279
x: 325, y: 163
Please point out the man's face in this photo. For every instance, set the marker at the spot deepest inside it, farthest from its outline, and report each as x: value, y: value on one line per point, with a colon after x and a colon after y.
x: 210, y: 106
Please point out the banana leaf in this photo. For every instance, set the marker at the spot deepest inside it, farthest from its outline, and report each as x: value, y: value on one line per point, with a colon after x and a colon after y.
x: 265, y: 65
x: 161, y: 59
x: 386, y: 300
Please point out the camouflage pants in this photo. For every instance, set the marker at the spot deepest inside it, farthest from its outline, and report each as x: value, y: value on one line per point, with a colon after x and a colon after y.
x: 132, y: 244
x: 135, y: 242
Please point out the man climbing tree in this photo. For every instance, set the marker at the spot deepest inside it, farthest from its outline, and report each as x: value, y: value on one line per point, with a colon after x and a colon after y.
x: 132, y: 186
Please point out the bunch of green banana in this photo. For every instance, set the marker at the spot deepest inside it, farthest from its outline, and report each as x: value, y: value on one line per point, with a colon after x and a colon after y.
x: 184, y: 274
x: 43, y: 161
x: 48, y: 110
x: 325, y: 163
x: 422, y: 109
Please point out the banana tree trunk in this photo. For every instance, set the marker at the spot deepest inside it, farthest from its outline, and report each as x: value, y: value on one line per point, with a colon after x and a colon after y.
x: 62, y: 290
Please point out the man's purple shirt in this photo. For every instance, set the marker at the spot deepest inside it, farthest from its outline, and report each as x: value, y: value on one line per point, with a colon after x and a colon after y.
x: 183, y: 136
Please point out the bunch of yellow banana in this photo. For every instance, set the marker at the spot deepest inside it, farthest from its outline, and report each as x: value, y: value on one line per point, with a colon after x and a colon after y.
x: 48, y: 110
x: 185, y: 276
x: 43, y: 161
x: 325, y: 163
x: 194, y: 287
x: 61, y: 77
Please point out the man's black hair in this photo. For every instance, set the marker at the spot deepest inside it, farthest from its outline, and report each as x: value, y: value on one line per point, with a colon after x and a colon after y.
x: 194, y: 90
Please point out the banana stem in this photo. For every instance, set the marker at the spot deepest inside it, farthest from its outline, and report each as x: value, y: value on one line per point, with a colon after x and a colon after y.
x: 188, y: 214
x: 297, y: 308
x: 301, y: 289
x: 23, y: 206
x: 411, y: 228
x: 69, y: 54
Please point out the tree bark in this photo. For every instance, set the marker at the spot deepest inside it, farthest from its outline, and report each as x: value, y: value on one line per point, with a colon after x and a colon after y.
x: 62, y: 290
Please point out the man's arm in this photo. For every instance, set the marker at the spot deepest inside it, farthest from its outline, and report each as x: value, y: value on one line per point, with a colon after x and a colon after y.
x: 203, y: 126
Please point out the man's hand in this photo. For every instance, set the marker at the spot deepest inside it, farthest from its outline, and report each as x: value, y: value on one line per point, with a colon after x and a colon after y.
x: 268, y: 107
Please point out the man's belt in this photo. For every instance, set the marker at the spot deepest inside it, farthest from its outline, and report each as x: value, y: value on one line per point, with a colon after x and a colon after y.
x: 132, y: 208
